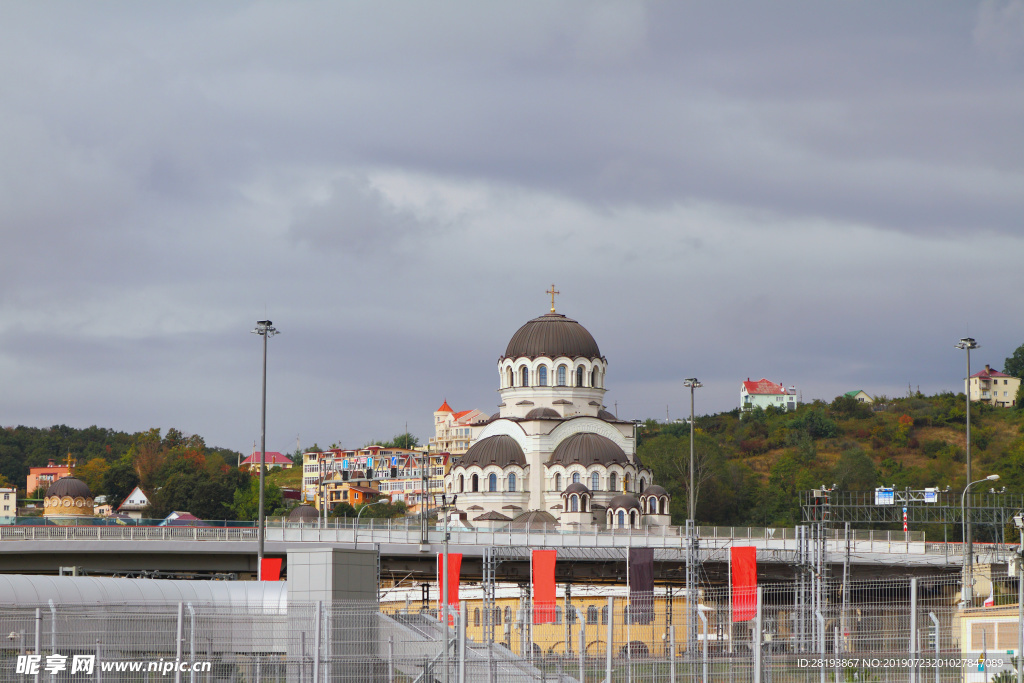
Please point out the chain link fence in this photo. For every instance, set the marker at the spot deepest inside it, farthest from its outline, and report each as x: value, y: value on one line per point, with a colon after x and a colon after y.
x: 899, y: 629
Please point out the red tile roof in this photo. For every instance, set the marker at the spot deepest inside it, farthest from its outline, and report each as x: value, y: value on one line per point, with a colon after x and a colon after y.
x: 445, y: 408
x: 763, y: 386
x: 989, y: 372
x: 461, y: 413
x: 273, y: 458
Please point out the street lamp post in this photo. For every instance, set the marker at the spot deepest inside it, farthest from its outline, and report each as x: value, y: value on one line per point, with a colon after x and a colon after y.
x: 444, y: 502
x: 968, y: 570
x: 265, y: 329
x: 693, y: 383
x: 355, y: 532
x: 966, y: 344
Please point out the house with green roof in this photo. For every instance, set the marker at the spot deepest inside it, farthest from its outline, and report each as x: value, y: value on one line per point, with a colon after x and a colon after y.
x: 860, y: 395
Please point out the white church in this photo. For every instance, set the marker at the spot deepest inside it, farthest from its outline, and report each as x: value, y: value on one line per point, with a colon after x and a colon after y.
x: 553, y: 455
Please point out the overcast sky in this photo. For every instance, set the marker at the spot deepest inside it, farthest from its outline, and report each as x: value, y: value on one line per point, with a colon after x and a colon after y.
x: 824, y: 194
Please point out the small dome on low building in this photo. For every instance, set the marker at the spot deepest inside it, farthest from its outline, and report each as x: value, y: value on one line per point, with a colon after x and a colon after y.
x: 69, y: 486
x: 304, y: 513
x: 655, y: 490
x: 576, y: 487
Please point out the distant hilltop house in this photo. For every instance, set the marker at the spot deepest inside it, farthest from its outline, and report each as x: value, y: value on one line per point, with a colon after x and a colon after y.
x: 272, y: 459
x: 860, y: 396
x: 453, y: 431
x: 8, y: 504
x: 993, y: 387
x: 764, y: 393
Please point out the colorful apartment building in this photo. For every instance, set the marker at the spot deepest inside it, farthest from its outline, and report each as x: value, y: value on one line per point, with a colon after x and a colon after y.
x: 43, y: 477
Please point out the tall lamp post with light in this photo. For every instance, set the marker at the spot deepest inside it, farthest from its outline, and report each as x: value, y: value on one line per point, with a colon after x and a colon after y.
x: 265, y: 329
x: 691, y: 532
x: 966, y: 344
x: 445, y: 502
x: 967, y: 594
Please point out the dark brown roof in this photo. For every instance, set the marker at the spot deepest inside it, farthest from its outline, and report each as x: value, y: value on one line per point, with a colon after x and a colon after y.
x: 543, y: 414
x: 575, y: 487
x: 69, y: 486
x: 535, y: 519
x: 501, y: 450
x: 492, y: 516
x: 552, y: 335
x: 654, y: 490
x: 624, y: 500
x: 606, y: 416
x: 587, y: 449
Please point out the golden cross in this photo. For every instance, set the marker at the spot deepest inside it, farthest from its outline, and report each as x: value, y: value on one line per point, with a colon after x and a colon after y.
x: 552, y: 292
x: 69, y: 461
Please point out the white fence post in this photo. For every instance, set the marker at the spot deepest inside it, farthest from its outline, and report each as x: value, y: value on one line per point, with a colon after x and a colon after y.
x: 178, y: 635
x: 913, y: 628
x: 821, y: 641
x: 704, y: 650
x: 609, y: 640
x: 935, y: 624
x: 316, y: 643
x: 463, y: 613
x: 757, y: 636
x: 672, y: 653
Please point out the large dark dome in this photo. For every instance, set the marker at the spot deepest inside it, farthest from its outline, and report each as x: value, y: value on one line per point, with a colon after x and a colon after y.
x: 587, y: 449
x: 501, y: 450
x: 69, y: 486
x: 304, y: 513
x: 552, y: 335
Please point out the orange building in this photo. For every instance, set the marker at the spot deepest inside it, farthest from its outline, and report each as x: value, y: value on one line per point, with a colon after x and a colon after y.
x: 43, y: 477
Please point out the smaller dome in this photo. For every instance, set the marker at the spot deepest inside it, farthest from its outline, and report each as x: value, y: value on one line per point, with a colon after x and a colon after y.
x: 304, y: 513
x: 501, y: 450
x: 606, y: 416
x: 543, y: 414
x: 624, y: 500
x: 576, y: 487
x: 654, y: 490
x: 69, y: 486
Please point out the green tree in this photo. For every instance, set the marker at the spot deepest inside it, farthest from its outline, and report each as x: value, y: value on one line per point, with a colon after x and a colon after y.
x: 1014, y: 365
x: 246, y: 504
x: 119, y: 480
x: 343, y: 510
x: 92, y: 474
x: 381, y: 510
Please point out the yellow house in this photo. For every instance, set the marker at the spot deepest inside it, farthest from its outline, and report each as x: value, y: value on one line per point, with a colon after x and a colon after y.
x: 993, y: 387
x: 989, y: 630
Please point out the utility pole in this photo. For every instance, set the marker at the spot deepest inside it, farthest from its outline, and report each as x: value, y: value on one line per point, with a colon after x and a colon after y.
x: 265, y: 329
x: 966, y: 344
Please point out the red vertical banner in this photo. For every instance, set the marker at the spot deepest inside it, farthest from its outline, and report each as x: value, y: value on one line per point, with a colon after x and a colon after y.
x: 271, y: 569
x: 542, y: 566
x: 454, y: 567
x: 744, y: 583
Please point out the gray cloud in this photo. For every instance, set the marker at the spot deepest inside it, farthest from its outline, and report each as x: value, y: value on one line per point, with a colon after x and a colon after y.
x: 824, y: 195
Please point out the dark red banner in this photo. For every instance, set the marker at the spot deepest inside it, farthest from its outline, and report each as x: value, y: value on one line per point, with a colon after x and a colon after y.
x: 543, y: 567
x: 454, y: 567
x: 744, y: 583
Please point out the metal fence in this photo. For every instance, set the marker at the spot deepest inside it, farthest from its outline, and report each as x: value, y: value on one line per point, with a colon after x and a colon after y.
x: 880, y: 630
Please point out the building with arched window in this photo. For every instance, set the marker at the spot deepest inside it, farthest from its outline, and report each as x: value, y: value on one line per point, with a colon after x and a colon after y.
x: 553, y: 453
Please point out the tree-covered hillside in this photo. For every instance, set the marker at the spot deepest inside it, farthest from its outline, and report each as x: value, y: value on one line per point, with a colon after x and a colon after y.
x: 751, y: 468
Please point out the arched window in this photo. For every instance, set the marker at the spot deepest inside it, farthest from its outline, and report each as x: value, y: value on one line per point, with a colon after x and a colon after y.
x: 476, y: 483
x: 625, y: 481
x: 622, y: 518
x: 542, y: 376
x: 508, y: 615
x: 593, y: 377
x: 558, y: 614
x: 462, y: 483
x: 512, y: 482
x: 604, y: 615
x: 595, y: 481
x: 492, y: 482
x: 575, y: 477
x: 574, y: 503
x: 579, y: 376
x: 558, y: 482
x: 592, y: 614
x: 525, y: 373
x: 642, y: 485
x: 632, y: 518
x: 561, y: 375
x: 613, y: 482
x: 497, y: 616
x: 510, y: 377
x: 584, y: 506
x: 476, y: 617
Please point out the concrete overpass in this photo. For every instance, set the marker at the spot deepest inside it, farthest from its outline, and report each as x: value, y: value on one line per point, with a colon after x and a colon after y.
x: 593, y: 556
